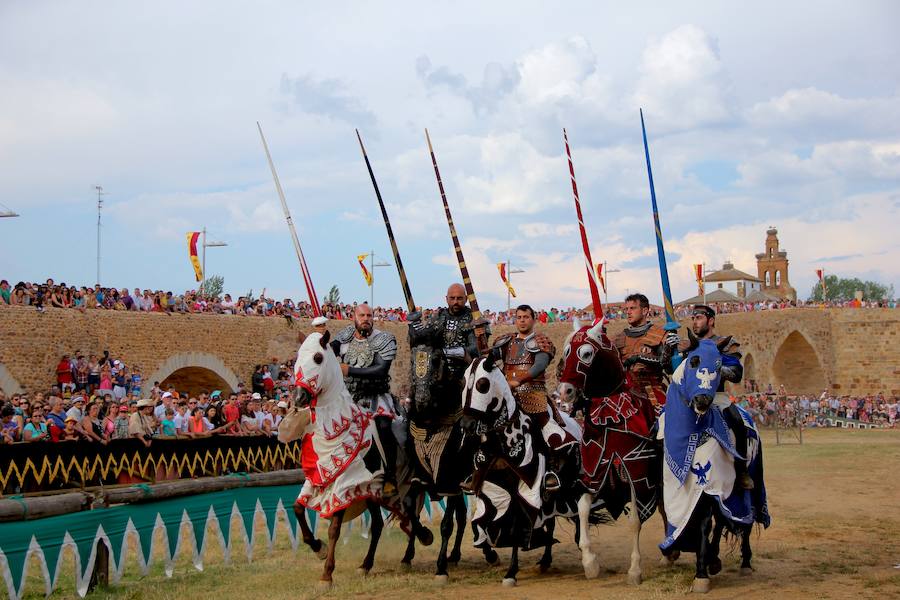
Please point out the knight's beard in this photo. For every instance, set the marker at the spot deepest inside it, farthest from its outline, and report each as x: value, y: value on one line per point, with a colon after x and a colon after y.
x: 364, y: 330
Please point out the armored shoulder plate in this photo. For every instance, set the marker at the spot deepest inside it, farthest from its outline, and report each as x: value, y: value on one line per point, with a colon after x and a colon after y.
x: 538, y: 342
x: 345, y: 334
x: 654, y: 336
x: 384, y: 343
x: 503, y: 340
x: 619, y: 341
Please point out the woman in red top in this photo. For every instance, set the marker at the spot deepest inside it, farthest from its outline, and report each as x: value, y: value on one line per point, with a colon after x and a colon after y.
x: 64, y: 373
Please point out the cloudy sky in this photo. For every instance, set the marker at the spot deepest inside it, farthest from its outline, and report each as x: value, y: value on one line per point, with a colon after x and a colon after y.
x: 758, y: 114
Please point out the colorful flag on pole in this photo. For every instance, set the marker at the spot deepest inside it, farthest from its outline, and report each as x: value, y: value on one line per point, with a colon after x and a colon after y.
x: 698, y: 275
x: 505, y: 278
x: 362, y: 265
x: 192, y: 238
x: 600, y: 277
x: 820, y: 273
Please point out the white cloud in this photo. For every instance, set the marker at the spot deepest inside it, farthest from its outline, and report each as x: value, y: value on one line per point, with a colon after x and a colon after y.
x: 538, y: 230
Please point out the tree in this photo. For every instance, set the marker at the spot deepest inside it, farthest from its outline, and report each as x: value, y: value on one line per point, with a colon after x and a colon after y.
x: 844, y: 289
x: 212, y: 287
x: 333, y: 296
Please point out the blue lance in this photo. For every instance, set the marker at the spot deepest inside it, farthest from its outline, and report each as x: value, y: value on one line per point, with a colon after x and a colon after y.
x: 671, y: 322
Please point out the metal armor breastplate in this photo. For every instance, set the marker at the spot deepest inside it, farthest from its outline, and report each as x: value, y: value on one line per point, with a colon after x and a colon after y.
x: 359, y: 353
x: 517, y: 362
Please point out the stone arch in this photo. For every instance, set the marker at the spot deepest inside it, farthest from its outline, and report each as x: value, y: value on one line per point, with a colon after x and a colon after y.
x: 797, y: 366
x: 194, y: 372
x: 751, y: 377
x: 8, y: 383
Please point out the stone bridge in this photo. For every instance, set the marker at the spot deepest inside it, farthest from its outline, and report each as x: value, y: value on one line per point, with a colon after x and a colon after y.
x: 808, y: 350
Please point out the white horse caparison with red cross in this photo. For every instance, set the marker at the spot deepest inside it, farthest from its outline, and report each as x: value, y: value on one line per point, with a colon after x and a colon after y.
x: 342, y: 458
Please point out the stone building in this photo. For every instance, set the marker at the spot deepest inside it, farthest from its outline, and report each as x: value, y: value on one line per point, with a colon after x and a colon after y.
x: 772, y: 266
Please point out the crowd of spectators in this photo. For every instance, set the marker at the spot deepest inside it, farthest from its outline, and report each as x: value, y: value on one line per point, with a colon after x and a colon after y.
x: 51, y: 294
x: 771, y: 409
x: 98, y: 399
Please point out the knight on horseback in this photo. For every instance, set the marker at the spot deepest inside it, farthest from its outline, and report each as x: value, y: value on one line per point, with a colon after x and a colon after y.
x: 366, y: 355
x: 646, y: 349
x: 524, y: 357
x: 703, y: 323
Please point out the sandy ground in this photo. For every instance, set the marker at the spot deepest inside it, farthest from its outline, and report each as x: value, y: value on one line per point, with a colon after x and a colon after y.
x: 835, y: 503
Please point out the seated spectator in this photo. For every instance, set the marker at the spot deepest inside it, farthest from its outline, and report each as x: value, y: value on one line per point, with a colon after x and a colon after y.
x: 167, y: 425
x: 70, y: 433
x: 9, y: 430
x: 142, y: 425
x: 36, y: 428
x: 90, y: 427
x: 121, y: 422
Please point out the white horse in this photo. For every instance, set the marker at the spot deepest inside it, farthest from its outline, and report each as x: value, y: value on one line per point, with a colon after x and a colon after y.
x: 341, y: 455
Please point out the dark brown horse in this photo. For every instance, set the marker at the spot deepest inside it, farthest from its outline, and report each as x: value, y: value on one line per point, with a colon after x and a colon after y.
x: 620, y: 460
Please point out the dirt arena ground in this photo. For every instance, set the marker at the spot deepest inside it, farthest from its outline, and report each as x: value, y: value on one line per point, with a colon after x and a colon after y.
x: 835, y: 503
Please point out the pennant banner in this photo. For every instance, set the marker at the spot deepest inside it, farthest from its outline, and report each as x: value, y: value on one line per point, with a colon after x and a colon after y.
x: 600, y: 279
x: 698, y: 275
x: 505, y: 278
x: 192, y: 238
x: 820, y: 273
x: 362, y: 265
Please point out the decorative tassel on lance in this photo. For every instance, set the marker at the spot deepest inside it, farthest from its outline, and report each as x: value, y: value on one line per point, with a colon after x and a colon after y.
x: 479, y: 323
x: 671, y: 321
x: 588, y: 262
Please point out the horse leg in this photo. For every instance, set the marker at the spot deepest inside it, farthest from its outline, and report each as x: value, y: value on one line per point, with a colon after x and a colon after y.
x: 334, y: 532
x: 634, y: 523
x: 410, y: 554
x: 459, y: 504
x: 746, y: 552
x: 547, y: 557
x: 411, y: 508
x: 701, y: 577
x: 588, y: 559
x: 509, y: 580
x: 713, y: 561
x: 374, y: 536
x: 308, y: 537
x: 446, y: 531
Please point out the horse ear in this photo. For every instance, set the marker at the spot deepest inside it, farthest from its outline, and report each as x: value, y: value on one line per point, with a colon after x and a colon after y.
x: 323, y: 341
x: 724, y: 343
x: 596, y: 332
x: 693, y: 338
x: 488, y: 364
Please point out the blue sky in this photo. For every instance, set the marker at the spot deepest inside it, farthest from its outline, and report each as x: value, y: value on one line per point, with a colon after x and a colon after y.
x: 758, y: 115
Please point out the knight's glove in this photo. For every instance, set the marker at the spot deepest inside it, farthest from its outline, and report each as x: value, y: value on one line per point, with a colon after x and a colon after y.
x: 414, y: 317
x: 672, y: 339
x: 455, y: 352
x: 729, y: 373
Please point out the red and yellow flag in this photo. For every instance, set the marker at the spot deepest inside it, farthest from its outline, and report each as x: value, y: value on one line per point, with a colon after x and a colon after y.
x: 820, y: 273
x: 505, y: 278
x: 600, y: 277
x: 362, y: 265
x: 698, y: 275
x: 192, y: 238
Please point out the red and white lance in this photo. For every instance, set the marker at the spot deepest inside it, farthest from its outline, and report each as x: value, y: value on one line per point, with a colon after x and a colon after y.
x: 588, y: 263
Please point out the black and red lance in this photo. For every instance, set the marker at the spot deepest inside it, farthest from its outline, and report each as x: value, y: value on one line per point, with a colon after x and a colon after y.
x: 479, y: 323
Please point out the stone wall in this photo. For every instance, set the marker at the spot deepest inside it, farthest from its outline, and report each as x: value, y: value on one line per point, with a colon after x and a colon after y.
x: 808, y: 350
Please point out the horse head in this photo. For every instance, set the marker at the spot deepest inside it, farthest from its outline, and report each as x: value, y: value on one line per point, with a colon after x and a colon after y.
x: 488, y: 402
x: 316, y: 370
x: 699, y: 373
x: 590, y: 364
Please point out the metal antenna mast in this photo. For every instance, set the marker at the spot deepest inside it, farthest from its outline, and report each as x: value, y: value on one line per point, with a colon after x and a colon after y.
x: 100, y: 194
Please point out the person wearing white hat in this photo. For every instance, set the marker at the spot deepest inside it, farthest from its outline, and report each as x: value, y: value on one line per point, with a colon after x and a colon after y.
x: 167, y: 402
x: 142, y: 424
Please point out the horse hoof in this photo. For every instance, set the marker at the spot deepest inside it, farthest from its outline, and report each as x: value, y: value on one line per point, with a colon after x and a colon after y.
x: 715, y: 567
x: 454, y: 559
x: 406, y: 566
x: 322, y: 553
x: 635, y: 579
x: 666, y: 561
x: 323, y: 585
x: 542, y: 567
x: 700, y: 586
x: 492, y: 558
x: 591, y: 568
x: 425, y: 537
x: 746, y: 571
x: 362, y: 571
x: 442, y: 579
x: 509, y: 582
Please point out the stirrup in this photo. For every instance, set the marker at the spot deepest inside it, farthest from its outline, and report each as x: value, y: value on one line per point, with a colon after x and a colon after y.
x: 551, y: 482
